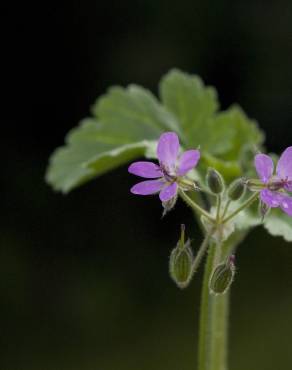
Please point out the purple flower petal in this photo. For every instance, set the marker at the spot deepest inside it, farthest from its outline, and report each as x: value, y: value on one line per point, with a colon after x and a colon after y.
x: 271, y: 198
x: 168, y: 192
x: 148, y: 170
x: 284, y: 166
x: 168, y: 149
x: 147, y: 187
x: 286, y: 205
x: 264, y: 166
x: 288, y: 186
x: 187, y: 161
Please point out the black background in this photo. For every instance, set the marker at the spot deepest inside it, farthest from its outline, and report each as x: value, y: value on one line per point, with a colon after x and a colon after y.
x: 83, y: 278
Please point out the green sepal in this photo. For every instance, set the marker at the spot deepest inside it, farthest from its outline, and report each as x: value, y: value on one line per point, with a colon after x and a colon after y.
x: 222, y: 277
x: 180, y: 265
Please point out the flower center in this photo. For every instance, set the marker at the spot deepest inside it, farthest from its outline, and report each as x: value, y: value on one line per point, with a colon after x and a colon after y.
x: 168, y: 173
x: 279, y: 184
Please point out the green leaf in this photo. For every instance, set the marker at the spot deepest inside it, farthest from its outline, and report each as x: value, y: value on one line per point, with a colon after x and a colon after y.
x: 228, y: 169
x: 277, y: 223
x: 192, y: 104
x: 87, y: 154
x: 221, y: 136
x: 247, y: 219
x: 246, y: 133
x: 128, y: 122
x: 133, y: 114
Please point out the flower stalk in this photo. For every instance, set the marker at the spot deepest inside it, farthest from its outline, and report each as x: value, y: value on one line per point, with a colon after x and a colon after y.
x: 246, y: 204
x: 169, y: 179
x: 214, y: 311
x: 196, y: 208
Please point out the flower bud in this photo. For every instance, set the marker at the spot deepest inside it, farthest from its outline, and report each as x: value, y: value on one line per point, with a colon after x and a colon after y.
x: 222, y: 277
x: 180, y: 262
x: 214, y: 181
x: 236, y: 189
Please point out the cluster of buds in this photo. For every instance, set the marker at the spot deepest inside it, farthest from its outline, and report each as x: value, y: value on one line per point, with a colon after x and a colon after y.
x: 170, y: 178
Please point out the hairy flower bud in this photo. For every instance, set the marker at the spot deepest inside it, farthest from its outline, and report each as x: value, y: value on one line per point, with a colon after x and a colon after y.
x: 236, y: 189
x: 180, y: 262
x: 214, y: 181
x: 222, y: 277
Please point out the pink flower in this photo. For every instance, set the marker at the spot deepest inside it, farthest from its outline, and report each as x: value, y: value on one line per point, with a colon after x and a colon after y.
x: 274, y: 192
x: 168, y: 174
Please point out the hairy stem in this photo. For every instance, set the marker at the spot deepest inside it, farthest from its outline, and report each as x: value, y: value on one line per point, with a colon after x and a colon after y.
x: 195, y: 206
x: 226, y: 208
x: 213, y: 332
x: 202, y: 250
x: 218, y: 207
x: 246, y: 204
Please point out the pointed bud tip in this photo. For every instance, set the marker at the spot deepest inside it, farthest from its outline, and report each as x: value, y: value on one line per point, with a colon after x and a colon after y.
x: 214, y: 181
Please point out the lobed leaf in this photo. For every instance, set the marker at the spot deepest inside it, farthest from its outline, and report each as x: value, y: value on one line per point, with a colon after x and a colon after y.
x: 128, y: 121
x: 277, y: 223
x: 89, y: 153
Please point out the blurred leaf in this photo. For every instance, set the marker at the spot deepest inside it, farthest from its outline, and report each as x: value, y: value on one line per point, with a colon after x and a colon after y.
x: 128, y: 122
x: 130, y: 119
x: 133, y: 114
x: 193, y: 105
x: 69, y: 164
x: 247, y: 219
x: 228, y: 169
x: 246, y: 133
x: 221, y: 136
x: 277, y: 223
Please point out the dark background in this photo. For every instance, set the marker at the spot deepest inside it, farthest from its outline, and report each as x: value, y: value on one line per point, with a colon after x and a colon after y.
x: 84, y: 278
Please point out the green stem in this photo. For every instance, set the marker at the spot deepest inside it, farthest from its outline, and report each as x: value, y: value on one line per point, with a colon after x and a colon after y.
x: 246, y: 204
x: 201, y: 252
x: 214, y: 310
x: 218, y: 207
x: 195, y: 206
x: 226, y: 208
x: 213, y: 332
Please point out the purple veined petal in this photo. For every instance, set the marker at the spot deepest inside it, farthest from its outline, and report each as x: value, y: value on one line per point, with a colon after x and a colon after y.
x: 284, y: 166
x: 187, y: 161
x: 147, y: 187
x: 271, y: 198
x: 168, y: 192
x: 168, y: 149
x: 286, y: 205
x: 264, y: 166
x: 148, y: 170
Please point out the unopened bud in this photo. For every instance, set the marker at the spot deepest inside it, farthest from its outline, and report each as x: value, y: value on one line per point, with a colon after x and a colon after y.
x: 222, y: 277
x: 180, y: 262
x: 214, y: 181
x: 236, y: 189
